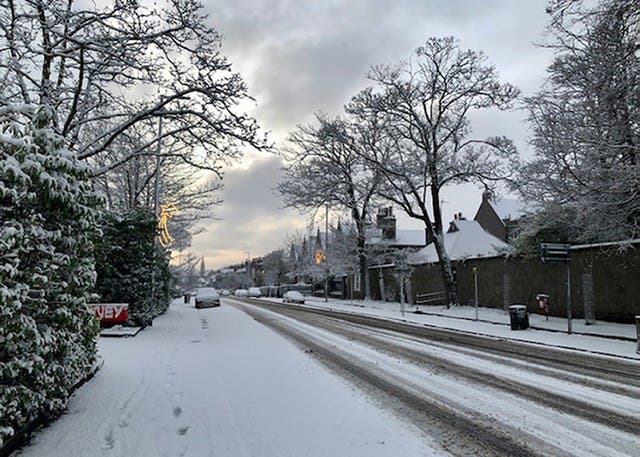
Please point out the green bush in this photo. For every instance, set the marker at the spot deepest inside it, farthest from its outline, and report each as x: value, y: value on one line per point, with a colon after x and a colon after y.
x: 47, y: 221
x: 131, y: 267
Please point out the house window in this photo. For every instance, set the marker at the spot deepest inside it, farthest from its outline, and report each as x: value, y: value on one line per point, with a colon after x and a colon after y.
x: 356, y: 281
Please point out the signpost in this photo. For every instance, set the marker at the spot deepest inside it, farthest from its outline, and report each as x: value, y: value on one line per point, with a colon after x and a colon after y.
x: 560, y: 252
x: 111, y: 313
x: 475, y: 285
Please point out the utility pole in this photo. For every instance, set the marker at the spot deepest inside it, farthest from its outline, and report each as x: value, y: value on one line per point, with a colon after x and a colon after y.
x: 156, y: 199
x: 326, y: 248
x: 156, y: 209
x: 569, y: 326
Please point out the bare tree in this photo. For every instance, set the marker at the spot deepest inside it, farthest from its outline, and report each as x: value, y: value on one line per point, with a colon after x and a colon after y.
x: 422, y: 106
x: 325, y: 165
x: 585, y: 121
x: 108, y: 70
x: 274, y: 267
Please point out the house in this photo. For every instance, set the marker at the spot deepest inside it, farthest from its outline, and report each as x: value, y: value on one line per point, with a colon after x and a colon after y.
x: 465, y: 239
x: 385, y: 232
x: 500, y: 217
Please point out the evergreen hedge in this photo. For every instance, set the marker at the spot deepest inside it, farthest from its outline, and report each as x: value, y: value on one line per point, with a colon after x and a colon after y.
x: 47, y: 222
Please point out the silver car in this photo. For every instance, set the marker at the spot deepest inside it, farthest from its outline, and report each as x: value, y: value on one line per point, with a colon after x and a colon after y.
x: 207, y: 297
x: 293, y: 296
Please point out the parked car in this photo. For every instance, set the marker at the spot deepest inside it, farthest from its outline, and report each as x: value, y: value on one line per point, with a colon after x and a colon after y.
x: 241, y: 293
x: 255, y: 292
x: 225, y: 292
x: 207, y: 297
x: 293, y: 296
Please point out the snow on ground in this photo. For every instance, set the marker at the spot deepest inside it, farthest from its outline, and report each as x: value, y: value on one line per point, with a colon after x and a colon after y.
x: 214, y: 382
x: 496, y: 325
x: 541, y: 425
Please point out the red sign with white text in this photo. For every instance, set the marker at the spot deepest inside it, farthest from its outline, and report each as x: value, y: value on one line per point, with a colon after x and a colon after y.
x: 117, y: 313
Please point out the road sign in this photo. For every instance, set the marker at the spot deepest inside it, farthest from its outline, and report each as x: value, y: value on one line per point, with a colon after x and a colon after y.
x: 560, y: 252
x: 555, y: 252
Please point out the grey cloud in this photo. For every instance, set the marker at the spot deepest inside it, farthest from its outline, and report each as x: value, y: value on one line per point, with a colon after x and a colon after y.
x: 251, y: 217
x: 299, y: 57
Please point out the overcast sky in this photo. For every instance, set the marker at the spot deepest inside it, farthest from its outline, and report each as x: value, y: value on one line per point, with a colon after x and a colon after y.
x: 301, y: 56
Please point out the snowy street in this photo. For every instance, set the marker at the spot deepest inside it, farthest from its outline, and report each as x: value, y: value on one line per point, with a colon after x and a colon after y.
x: 475, y: 395
x: 216, y: 382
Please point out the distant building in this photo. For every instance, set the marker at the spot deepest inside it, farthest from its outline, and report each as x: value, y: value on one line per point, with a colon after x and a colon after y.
x: 500, y: 217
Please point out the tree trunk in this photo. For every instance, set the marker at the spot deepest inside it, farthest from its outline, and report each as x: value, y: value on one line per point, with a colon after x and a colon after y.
x: 363, y: 261
x: 364, y: 273
x: 448, y: 279
x: 409, y: 290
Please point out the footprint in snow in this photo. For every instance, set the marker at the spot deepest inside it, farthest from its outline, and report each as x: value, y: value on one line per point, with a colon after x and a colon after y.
x: 183, y: 430
x: 109, y: 440
x: 177, y: 411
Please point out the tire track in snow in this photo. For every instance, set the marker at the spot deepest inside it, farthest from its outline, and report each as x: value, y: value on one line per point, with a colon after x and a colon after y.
x: 618, y: 370
x: 471, y: 435
x: 570, y: 405
x: 564, y: 405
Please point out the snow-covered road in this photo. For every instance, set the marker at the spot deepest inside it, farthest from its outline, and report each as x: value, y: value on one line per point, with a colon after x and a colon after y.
x: 215, y: 382
x: 475, y: 395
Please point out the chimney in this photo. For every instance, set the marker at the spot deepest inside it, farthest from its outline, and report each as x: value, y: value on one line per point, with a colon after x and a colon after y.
x: 487, y: 196
x: 386, y: 222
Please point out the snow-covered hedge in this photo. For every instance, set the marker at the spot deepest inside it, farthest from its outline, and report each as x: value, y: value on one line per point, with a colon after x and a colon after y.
x: 47, y: 219
x: 131, y: 267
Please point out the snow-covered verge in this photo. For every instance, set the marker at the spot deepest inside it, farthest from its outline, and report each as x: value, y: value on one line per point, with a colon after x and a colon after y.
x: 216, y: 382
x: 47, y: 220
x: 494, y: 323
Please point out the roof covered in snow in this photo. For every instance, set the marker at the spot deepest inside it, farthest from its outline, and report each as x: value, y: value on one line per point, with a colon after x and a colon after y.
x: 414, y: 238
x: 508, y: 208
x: 469, y: 240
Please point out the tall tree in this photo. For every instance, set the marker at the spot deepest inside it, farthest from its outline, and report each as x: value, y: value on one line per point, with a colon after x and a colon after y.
x: 586, y: 124
x: 422, y: 107
x: 324, y: 165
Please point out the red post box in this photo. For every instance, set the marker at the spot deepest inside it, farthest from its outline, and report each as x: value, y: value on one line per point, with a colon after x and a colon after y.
x: 543, y: 304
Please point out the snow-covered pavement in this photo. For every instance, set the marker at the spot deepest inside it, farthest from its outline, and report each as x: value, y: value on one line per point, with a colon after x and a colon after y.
x: 215, y: 382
